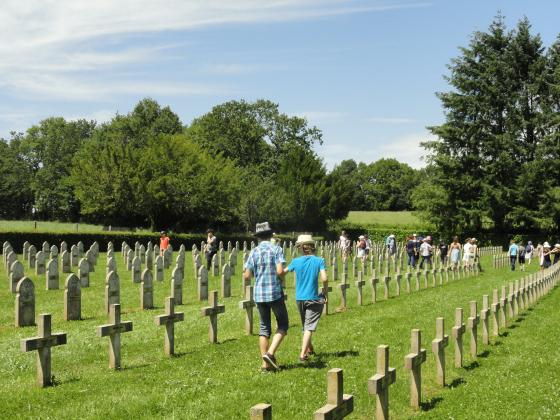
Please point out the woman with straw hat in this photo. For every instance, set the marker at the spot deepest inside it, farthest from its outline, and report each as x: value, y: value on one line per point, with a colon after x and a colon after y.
x: 545, y: 257
x: 310, y: 303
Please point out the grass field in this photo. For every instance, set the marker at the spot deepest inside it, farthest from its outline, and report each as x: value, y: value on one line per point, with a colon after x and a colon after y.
x: 384, y: 218
x: 40, y: 226
x: 516, y: 377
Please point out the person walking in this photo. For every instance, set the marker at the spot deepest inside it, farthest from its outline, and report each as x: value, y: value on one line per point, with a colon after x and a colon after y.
x: 308, y: 269
x: 163, y: 242
x: 211, y: 247
x: 443, y: 252
x: 426, y: 253
x: 545, y: 261
x: 513, y: 252
x: 529, y: 252
x: 411, y: 252
x: 466, y: 252
x: 266, y: 263
x: 455, y: 252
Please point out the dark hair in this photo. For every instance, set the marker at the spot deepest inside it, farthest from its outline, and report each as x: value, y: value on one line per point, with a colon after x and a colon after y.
x: 209, y: 230
x: 308, y: 249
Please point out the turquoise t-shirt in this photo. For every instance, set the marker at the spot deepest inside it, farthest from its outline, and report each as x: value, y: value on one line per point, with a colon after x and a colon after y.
x: 307, y: 270
x: 513, y: 250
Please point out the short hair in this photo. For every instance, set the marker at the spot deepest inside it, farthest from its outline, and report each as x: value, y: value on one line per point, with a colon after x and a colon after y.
x: 308, y: 249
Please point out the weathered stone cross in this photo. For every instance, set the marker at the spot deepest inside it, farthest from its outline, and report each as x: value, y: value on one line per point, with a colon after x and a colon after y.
x: 438, y: 348
x: 379, y: 383
x: 43, y: 343
x: 169, y: 320
x: 413, y: 362
x: 248, y: 304
x: 472, y: 323
x: 114, y: 330
x: 212, y: 311
x: 457, y: 333
x: 339, y: 405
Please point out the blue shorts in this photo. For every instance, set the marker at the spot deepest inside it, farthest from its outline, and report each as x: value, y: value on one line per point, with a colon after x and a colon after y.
x: 280, y: 313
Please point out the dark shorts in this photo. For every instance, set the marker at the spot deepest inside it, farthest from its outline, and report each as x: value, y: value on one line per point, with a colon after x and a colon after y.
x: 522, y: 259
x: 310, y: 311
x: 278, y: 307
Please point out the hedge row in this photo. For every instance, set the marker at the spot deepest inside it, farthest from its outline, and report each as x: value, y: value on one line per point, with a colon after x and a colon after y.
x: 16, y: 239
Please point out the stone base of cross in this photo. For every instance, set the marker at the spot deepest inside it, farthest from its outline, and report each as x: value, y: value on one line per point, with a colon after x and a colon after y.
x: 339, y: 405
x: 379, y: 383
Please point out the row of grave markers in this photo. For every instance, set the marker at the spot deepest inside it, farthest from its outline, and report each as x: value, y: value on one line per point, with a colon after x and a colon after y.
x: 523, y: 294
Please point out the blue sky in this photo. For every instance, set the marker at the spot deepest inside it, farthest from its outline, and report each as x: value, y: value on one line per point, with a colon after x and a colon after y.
x: 365, y: 72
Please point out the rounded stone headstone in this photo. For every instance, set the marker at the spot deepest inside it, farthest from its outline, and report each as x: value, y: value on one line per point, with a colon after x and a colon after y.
x: 147, y: 290
x: 52, y: 275
x: 25, y: 303
x: 16, y: 274
x: 112, y: 290
x: 72, y: 298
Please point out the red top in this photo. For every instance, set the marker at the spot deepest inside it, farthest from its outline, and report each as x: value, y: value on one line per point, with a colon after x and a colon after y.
x: 164, y: 242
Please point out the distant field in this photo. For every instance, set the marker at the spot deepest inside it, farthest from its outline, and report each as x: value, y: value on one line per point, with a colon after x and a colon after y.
x: 386, y: 218
x: 39, y: 226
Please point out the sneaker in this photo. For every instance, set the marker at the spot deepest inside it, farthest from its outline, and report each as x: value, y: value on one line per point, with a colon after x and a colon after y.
x: 271, y: 360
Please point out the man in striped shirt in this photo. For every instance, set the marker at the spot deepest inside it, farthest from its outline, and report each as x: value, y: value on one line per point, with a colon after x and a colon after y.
x: 266, y: 264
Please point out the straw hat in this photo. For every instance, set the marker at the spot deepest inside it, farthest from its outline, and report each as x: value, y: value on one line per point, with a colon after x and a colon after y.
x: 557, y: 246
x: 546, y: 245
x: 305, y: 240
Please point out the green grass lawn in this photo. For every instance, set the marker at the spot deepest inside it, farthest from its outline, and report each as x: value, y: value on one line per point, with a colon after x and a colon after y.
x: 55, y: 227
x: 384, y: 218
x: 516, y: 377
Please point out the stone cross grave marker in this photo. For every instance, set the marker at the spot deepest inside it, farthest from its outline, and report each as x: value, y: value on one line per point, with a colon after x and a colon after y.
x: 339, y: 405
x: 16, y: 274
x: 325, y: 289
x: 113, y: 330
x: 379, y: 383
x: 413, y: 362
x: 503, y: 303
x: 25, y: 303
x: 72, y: 298
x: 43, y: 343
x: 457, y: 333
x: 248, y: 304
x: 386, y: 281
x: 202, y: 283
x: 438, y: 348
x: 484, y: 313
x: 342, y: 287
x: 177, y: 286
x: 212, y: 312
x: 226, y: 281
x: 495, y: 313
x: 51, y: 275
x: 511, y: 312
x: 472, y: 325
x: 359, y: 284
x: 112, y: 290
x: 40, y: 263
x: 373, y: 282
x: 169, y: 319
x: 83, y: 272
x: 261, y: 412
x: 147, y: 290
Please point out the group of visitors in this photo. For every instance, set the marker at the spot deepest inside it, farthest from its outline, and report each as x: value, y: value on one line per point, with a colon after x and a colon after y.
x: 423, y: 249
x: 266, y: 263
x: 517, y: 252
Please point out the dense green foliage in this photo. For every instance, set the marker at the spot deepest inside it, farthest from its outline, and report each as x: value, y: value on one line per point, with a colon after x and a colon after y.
x: 496, y: 158
x: 223, y: 380
x: 382, y: 185
x: 239, y: 164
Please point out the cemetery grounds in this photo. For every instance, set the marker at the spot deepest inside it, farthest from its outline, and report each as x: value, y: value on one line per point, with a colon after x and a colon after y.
x: 516, y: 377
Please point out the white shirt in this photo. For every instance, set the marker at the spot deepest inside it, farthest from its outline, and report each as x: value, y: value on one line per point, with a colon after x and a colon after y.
x: 425, y: 249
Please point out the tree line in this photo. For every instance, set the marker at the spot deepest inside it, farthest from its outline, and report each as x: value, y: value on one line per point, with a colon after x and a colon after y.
x: 238, y: 164
x: 495, y: 163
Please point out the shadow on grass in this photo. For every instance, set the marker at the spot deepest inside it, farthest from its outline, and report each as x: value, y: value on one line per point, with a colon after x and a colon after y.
x: 455, y: 383
x: 512, y: 326
x: 471, y: 366
x: 484, y: 354
x: 58, y: 382
x: 227, y: 340
x: 314, y: 364
x: 504, y: 334
x: 342, y: 353
x: 132, y: 367
x: 430, y: 404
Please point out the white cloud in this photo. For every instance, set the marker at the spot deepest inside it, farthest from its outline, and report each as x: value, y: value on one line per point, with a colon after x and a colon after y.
x: 58, y: 48
x: 405, y: 149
